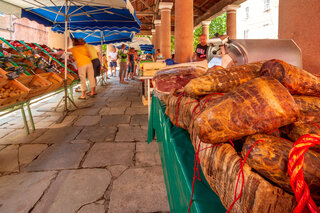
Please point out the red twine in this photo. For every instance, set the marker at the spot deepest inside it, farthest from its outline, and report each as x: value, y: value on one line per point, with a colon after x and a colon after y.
x: 178, y: 105
x: 236, y: 198
x: 295, y: 170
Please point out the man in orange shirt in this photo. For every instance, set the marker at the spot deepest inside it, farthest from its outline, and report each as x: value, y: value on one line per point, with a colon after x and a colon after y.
x: 81, y: 56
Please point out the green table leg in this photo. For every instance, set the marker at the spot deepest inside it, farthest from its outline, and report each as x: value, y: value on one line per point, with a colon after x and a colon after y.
x: 71, y: 92
x: 30, y: 116
x: 25, y: 120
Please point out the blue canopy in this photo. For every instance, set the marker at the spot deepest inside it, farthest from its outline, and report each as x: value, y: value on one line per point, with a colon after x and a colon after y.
x: 146, y: 47
x: 82, y: 15
x: 106, y: 37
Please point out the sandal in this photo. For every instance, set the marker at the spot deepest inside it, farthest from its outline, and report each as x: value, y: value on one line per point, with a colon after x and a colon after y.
x: 80, y: 98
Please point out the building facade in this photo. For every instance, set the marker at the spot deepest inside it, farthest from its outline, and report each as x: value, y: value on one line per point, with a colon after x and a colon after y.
x: 258, y: 19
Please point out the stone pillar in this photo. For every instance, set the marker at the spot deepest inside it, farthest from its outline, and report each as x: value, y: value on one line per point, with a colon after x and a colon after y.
x: 183, y: 30
x: 153, y: 38
x: 232, y: 20
x: 165, y: 34
x: 298, y: 20
x: 205, y: 28
x: 157, y: 24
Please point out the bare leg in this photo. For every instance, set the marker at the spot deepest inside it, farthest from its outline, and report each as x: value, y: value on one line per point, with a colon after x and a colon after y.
x: 83, y: 94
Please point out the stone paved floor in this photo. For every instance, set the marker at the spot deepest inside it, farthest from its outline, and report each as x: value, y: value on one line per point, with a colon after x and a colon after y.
x: 96, y: 160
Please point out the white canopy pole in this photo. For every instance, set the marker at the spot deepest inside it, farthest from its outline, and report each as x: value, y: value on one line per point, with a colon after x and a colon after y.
x: 66, y: 56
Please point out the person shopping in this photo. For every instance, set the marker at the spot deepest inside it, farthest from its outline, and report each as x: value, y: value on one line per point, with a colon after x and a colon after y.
x: 93, y: 53
x: 131, y: 63
x: 113, y: 57
x: 123, y: 64
x: 81, y: 55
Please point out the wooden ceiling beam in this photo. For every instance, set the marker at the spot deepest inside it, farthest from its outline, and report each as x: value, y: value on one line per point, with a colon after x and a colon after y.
x: 145, y: 13
x: 146, y: 4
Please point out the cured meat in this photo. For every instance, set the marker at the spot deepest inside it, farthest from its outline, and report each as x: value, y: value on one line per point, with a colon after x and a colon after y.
x: 295, y: 131
x: 177, y: 76
x: 187, y: 108
x: 309, y: 108
x: 221, y: 166
x: 222, y: 80
x: 258, y: 106
x: 214, y: 69
x: 295, y: 79
x: 270, y: 159
x: 184, y: 106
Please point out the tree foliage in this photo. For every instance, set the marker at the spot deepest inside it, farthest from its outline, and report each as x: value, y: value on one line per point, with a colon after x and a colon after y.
x: 217, y: 25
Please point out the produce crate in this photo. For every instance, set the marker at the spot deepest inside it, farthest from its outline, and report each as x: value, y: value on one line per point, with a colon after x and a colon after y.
x: 12, y: 91
x: 56, y: 80
x: 70, y: 78
x: 3, y: 73
x: 37, y: 85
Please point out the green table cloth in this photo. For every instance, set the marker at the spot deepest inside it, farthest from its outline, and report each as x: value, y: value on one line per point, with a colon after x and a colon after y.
x: 177, y: 157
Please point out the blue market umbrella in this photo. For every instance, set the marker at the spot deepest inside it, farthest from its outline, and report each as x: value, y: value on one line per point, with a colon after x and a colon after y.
x: 103, y: 37
x: 81, y: 14
x: 146, y: 47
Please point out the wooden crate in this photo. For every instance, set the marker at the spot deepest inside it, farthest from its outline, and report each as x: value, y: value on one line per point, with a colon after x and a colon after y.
x: 3, y: 73
x: 13, y: 98
x: 55, y: 79
x: 70, y: 78
x: 36, y: 84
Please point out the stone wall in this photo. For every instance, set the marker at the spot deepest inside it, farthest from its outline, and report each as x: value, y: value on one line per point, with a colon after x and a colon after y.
x: 299, y: 20
x: 23, y: 29
x: 30, y: 31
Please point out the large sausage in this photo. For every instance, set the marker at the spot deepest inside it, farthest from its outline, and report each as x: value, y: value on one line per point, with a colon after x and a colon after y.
x: 269, y: 158
x: 258, y: 106
x: 295, y: 79
x: 222, y: 80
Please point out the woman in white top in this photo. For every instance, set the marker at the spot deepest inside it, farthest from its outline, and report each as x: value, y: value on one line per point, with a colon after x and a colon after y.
x: 113, y: 57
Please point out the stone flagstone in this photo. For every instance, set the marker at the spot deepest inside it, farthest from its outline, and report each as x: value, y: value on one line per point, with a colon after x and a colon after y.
x: 98, y: 134
x: 132, y: 133
x: 29, y: 152
x: 72, y: 189
x: 20, y: 136
x: 87, y: 121
x: 108, y: 154
x: 19, y: 192
x: 139, y: 190
x: 136, y: 110
x: 59, y: 135
x: 92, y: 208
x: 114, y: 120
x: 147, y: 154
x: 141, y: 120
x: 59, y: 156
x: 9, y: 159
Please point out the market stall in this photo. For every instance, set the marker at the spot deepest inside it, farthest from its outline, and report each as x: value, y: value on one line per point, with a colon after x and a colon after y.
x: 61, y: 16
x: 254, y: 131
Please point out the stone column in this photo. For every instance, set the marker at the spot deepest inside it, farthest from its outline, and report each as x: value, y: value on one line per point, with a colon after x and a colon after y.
x: 205, y: 28
x: 165, y: 34
x: 232, y: 20
x: 183, y: 30
x: 153, y: 31
x: 157, y: 24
